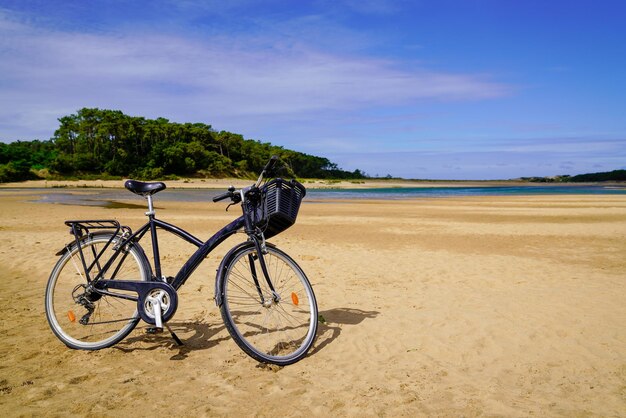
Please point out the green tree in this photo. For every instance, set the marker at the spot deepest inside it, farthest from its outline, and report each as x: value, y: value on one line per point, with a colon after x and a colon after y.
x: 94, y: 141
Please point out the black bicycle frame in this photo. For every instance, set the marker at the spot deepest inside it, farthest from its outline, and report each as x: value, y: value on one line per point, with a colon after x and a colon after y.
x: 204, y: 247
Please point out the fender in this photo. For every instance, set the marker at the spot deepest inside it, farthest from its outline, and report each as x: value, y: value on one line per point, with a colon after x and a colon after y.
x: 221, y: 270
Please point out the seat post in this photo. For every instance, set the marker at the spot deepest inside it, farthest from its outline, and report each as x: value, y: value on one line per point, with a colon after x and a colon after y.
x: 150, y: 211
x: 155, y: 241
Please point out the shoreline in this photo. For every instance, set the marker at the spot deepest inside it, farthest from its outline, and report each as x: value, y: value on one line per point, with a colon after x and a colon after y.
x: 219, y: 184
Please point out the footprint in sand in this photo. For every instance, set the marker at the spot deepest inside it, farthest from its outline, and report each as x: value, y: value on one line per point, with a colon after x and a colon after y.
x: 78, y: 379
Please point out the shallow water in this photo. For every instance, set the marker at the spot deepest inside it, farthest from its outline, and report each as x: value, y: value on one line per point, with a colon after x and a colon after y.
x: 118, y: 198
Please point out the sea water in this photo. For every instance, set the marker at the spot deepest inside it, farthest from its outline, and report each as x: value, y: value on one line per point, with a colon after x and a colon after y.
x: 433, y: 192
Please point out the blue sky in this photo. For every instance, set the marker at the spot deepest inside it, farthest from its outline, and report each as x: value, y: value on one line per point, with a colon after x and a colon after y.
x: 419, y: 89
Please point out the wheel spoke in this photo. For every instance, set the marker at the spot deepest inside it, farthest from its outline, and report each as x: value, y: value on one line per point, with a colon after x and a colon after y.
x: 275, y: 331
x: 82, y: 318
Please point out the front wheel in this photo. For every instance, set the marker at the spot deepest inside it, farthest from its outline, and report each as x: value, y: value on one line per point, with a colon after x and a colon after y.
x: 277, y: 326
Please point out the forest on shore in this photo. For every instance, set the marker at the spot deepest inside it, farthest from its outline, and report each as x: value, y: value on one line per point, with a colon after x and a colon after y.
x: 615, y: 175
x: 107, y: 144
x: 100, y: 143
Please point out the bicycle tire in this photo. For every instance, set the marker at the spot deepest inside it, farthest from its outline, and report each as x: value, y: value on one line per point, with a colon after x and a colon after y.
x: 270, y: 331
x: 109, y: 319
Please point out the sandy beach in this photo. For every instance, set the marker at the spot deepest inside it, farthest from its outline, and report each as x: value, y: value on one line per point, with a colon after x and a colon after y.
x: 482, y: 306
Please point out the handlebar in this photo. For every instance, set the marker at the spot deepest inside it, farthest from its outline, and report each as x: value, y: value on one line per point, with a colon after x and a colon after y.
x: 222, y: 196
x: 270, y: 164
x: 237, y: 195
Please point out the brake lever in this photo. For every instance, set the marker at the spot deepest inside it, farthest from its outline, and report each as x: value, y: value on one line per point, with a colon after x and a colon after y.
x: 235, y: 198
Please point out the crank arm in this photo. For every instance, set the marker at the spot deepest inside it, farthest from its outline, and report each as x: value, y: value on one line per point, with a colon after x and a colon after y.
x: 143, y: 290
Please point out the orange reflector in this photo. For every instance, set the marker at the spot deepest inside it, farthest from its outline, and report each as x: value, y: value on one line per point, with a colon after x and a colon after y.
x: 71, y: 316
x: 294, y: 298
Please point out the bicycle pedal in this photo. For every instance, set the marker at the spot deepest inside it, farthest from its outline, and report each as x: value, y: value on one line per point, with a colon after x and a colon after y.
x: 154, y: 330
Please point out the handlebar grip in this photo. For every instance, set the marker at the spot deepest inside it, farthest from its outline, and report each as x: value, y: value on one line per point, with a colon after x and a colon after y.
x: 271, y: 163
x: 222, y: 196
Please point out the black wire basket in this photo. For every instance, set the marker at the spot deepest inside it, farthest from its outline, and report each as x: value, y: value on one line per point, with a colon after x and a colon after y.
x: 279, y: 205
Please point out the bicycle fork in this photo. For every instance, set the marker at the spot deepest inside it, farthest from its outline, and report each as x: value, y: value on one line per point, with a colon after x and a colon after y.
x: 260, y: 250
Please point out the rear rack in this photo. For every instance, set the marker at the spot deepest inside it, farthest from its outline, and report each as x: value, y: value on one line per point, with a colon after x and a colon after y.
x: 84, y: 228
x: 81, y: 228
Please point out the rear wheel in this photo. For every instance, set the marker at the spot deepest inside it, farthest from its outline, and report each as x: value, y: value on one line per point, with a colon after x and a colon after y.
x: 81, y: 317
x: 272, y: 327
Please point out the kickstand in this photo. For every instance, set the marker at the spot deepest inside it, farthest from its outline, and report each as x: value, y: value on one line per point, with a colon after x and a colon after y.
x: 156, y: 330
x: 174, y: 336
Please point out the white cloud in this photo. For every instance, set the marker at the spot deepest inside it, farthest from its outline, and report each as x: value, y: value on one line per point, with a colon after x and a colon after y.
x: 50, y: 73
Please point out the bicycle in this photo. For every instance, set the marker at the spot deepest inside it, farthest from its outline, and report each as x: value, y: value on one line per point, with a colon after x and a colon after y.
x: 104, y: 284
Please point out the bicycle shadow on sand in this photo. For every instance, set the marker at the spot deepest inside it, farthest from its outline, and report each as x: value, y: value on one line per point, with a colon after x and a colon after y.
x: 201, y: 335
x: 194, y: 335
x: 331, y: 323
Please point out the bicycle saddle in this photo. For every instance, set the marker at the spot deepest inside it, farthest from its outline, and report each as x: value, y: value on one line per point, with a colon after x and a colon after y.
x: 144, y: 189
